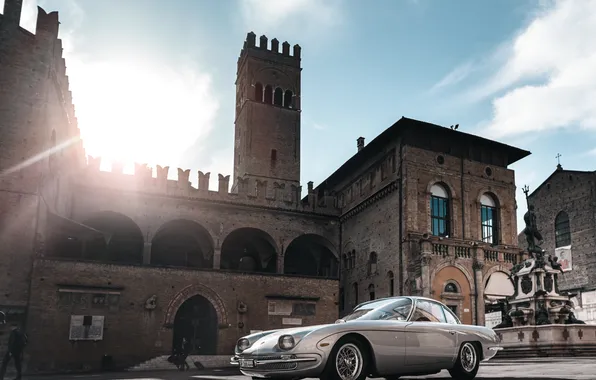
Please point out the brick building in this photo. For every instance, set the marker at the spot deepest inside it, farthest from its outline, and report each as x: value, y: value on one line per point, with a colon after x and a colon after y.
x: 105, y: 263
x: 565, y: 206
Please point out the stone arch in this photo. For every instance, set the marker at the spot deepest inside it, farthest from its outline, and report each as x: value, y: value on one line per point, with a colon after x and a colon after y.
x: 501, y: 280
x: 268, y: 94
x: 196, y: 290
x: 438, y: 181
x: 348, y: 253
x: 258, y: 95
x: 182, y: 242
x: 278, y: 96
x: 486, y: 191
x: 288, y: 97
x: 123, y: 243
x: 461, y: 303
x: 249, y: 249
x: 311, y: 255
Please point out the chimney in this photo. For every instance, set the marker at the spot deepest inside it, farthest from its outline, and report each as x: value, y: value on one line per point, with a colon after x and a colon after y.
x: 360, y: 143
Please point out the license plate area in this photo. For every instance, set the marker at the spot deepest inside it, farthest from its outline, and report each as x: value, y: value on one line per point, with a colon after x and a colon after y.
x: 247, y: 363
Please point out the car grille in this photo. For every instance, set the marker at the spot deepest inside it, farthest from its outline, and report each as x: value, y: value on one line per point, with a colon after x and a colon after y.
x: 278, y: 366
x: 257, y: 357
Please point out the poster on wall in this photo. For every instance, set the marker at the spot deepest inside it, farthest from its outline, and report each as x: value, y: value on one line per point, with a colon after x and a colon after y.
x: 564, y: 255
x: 86, y: 327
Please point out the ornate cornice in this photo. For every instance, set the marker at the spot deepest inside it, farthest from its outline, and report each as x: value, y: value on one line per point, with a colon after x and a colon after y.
x: 382, y: 193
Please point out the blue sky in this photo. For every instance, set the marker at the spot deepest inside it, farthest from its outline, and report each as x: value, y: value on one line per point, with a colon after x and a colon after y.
x: 154, y: 80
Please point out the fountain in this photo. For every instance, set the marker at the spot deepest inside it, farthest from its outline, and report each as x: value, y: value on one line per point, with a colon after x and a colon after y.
x: 540, y: 320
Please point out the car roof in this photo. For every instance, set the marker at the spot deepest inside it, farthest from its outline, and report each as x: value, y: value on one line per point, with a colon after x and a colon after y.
x: 413, y: 298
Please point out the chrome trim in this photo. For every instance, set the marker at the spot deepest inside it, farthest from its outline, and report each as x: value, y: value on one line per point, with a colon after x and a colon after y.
x: 276, y: 361
x: 496, y: 348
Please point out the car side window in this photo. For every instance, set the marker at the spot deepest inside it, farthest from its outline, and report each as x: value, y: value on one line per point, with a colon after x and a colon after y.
x: 428, y: 312
x: 450, y: 317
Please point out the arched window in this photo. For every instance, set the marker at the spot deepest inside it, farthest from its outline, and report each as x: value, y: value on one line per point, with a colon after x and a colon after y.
x: 372, y: 263
x: 488, y: 219
x: 353, y: 259
x: 278, y: 97
x: 288, y: 99
x: 439, y: 210
x: 450, y: 287
x: 258, y: 92
x: 391, y: 283
x: 268, y: 98
x: 371, y: 292
x: 562, y: 230
x: 355, y: 290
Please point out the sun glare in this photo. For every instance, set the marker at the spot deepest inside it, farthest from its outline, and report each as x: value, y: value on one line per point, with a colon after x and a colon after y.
x: 135, y: 112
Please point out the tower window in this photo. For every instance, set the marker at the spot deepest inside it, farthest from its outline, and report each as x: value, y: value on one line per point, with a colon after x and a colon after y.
x: 278, y: 97
x: 273, y: 155
x: 268, y: 95
x: 288, y: 99
x: 258, y: 92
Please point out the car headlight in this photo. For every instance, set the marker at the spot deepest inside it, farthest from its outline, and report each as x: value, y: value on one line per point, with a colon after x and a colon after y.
x: 243, y: 344
x: 286, y: 342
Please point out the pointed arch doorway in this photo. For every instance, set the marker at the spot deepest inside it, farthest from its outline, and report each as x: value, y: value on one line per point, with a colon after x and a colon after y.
x: 196, y: 320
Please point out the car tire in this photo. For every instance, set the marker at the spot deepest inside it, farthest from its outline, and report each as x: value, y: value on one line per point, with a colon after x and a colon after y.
x: 348, y: 360
x: 467, y: 363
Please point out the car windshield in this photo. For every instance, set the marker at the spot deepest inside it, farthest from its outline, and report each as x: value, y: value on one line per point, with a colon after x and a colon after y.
x: 391, y: 309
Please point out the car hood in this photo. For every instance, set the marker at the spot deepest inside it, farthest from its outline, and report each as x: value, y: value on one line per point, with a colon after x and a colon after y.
x: 269, y: 342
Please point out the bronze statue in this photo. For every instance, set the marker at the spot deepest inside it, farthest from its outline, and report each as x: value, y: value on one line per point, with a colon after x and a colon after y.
x: 533, y: 236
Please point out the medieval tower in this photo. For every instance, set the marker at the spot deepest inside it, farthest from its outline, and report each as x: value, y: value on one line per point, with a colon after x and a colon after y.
x: 267, y: 120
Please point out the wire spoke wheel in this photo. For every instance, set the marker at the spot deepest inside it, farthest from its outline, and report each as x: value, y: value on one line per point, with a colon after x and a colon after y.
x: 348, y: 362
x: 468, y: 357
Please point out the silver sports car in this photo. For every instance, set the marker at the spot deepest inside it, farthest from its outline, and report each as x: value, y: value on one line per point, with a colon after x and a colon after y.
x: 389, y: 337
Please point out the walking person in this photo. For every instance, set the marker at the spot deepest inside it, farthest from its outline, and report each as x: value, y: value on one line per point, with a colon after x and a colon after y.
x: 17, y: 341
x: 184, y: 351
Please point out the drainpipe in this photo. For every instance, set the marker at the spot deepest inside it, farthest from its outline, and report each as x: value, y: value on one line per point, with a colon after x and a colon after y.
x: 463, y: 213
x: 401, y: 216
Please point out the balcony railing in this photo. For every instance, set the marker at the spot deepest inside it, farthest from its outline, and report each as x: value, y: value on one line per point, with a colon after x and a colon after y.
x: 445, y: 247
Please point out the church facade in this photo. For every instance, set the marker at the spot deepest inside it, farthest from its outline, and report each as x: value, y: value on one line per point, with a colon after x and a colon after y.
x: 565, y: 209
x: 105, y: 263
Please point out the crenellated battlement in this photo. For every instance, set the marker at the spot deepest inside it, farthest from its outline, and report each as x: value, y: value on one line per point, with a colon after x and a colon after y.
x: 249, y: 192
x: 33, y: 64
x: 264, y: 50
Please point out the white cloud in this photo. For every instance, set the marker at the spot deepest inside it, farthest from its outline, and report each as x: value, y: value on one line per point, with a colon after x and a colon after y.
x: 548, y: 75
x: 134, y: 110
x: 292, y: 16
x: 591, y: 152
x: 455, y: 76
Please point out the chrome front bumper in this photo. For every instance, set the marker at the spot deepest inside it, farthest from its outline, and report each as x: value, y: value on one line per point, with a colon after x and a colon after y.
x: 279, y: 366
x: 490, y: 352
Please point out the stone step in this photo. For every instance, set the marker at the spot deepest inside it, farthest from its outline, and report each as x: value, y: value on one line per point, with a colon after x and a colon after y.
x: 194, y: 361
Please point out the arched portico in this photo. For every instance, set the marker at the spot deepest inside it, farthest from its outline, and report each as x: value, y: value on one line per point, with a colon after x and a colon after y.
x: 311, y: 255
x: 249, y: 250
x: 182, y: 243
x: 123, y: 242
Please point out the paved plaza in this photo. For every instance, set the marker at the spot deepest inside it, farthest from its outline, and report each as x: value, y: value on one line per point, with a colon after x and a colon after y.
x: 536, y: 369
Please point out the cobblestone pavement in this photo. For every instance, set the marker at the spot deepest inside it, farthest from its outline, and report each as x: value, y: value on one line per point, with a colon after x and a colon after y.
x: 536, y: 369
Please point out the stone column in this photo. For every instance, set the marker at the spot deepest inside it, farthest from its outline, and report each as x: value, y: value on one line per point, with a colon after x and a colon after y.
x: 478, y: 265
x: 217, y: 258
x: 426, y: 250
x: 147, y: 254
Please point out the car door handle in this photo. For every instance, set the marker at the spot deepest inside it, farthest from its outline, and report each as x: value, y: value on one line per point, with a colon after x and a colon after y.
x: 452, y: 332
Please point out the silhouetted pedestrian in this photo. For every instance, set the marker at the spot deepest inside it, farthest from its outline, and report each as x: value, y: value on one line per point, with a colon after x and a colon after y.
x: 17, y: 341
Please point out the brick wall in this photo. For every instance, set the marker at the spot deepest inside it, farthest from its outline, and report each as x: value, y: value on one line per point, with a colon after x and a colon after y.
x: 132, y: 333
x: 466, y: 184
x: 575, y: 193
